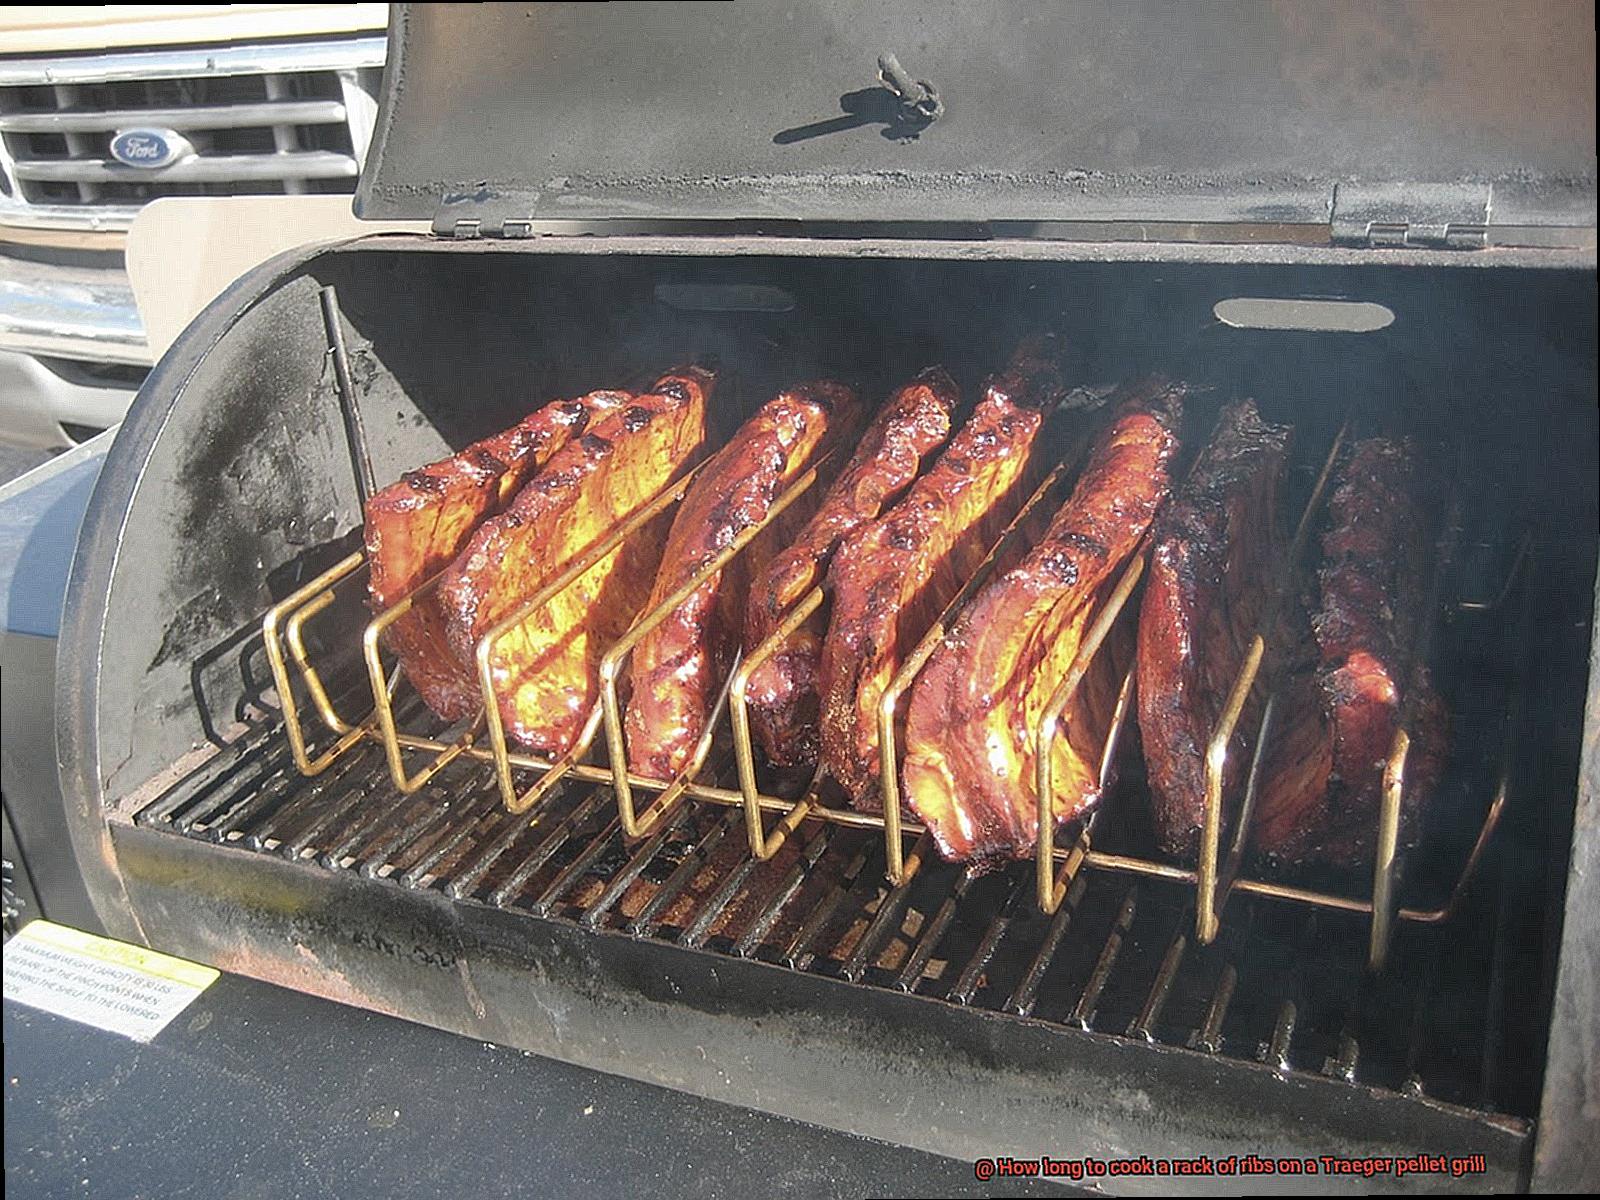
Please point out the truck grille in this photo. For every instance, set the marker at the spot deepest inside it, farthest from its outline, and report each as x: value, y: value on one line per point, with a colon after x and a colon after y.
x: 248, y: 120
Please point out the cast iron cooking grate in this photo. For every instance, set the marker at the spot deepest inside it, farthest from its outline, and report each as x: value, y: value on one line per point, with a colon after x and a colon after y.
x: 1280, y: 985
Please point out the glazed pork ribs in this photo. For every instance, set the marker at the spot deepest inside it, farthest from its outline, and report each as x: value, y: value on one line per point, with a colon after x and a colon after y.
x: 545, y: 669
x: 970, y: 766
x: 1325, y: 782
x: 1215, y: 562
x: 894, y: 576
x: 678, y: 667
x: 415, y: 527
x: 782, y: 694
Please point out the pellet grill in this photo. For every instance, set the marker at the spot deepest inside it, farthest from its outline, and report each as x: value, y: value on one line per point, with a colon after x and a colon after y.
x: 1351, y: 211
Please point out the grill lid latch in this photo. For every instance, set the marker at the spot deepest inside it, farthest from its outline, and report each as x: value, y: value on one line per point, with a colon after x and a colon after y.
x: 1447, y: 216
x: 919, y: 101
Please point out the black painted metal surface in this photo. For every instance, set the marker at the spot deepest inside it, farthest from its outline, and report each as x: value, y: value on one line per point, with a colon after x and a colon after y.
x: 262, y: 1092
x: 1568, y: 1158
x: 1152, y: 112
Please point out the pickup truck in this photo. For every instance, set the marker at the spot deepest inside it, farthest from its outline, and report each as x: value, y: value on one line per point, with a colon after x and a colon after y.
x: 103, y: 110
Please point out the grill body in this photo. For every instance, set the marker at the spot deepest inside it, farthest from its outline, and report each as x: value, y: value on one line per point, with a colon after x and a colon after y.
x: 918, y: 1070
x: 948, y: 1014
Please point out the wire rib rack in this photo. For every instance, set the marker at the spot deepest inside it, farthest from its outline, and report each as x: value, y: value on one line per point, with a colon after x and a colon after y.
x: 1213, y: 880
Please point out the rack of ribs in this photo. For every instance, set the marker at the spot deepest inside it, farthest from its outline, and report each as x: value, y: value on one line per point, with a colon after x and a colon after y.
x: 892, y: 578
x: 782, y: 695
x: 415, y: 527
x: 1215, y: 562
x: 970, y: 770
x: 545, y: 669
x: 678, y: 667
x: 1324, y: 783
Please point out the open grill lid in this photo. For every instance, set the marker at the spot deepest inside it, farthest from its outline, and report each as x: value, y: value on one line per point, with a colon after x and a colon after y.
x: 1435, y: 122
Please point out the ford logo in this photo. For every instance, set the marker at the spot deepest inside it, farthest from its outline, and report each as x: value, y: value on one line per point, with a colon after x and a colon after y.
x: 149, y: 149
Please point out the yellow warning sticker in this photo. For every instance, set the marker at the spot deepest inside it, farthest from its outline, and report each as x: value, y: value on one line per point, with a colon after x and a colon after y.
x: 99, y: 981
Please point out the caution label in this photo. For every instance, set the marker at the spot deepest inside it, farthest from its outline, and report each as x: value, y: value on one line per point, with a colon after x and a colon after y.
x: 108, y: 984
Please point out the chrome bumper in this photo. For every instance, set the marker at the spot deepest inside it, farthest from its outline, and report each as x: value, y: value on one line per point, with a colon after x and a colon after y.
x: 37, y: 402
x: 67, y: 311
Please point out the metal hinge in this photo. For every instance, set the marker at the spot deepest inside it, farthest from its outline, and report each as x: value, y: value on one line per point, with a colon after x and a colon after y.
x: 484, y: 215
x: 468, y: 229
x: 1440, y: 216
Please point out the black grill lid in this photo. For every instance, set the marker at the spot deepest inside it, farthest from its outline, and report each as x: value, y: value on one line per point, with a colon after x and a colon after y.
x: 1435, y: 113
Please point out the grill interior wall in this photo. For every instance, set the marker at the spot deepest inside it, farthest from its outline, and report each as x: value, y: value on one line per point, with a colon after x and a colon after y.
x: 449, y: 347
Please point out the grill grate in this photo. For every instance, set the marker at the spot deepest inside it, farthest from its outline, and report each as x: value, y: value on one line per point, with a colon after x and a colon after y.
x: 1116, y: 958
